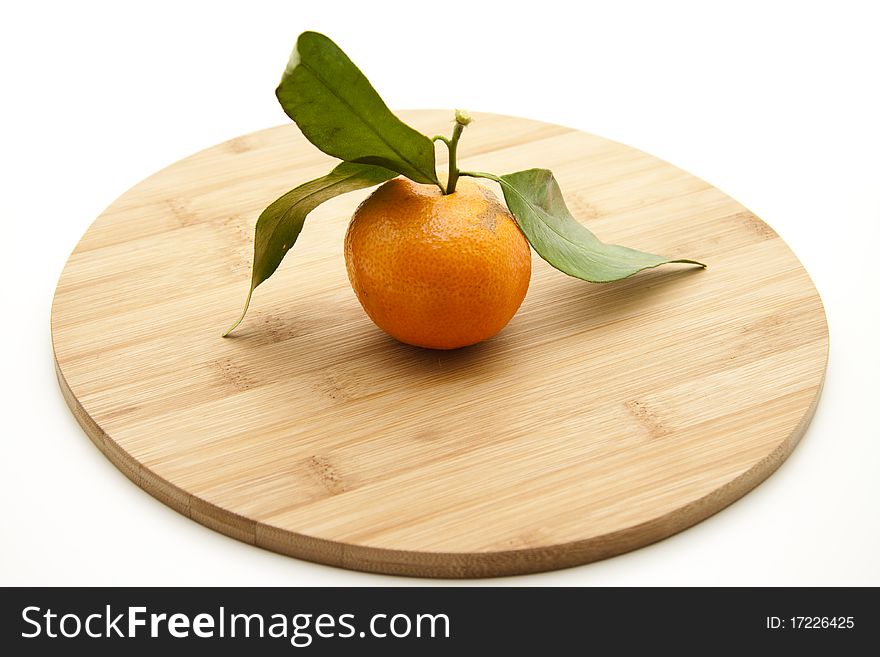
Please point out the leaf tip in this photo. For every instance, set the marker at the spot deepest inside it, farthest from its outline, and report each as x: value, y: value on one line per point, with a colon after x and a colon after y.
x: 247, y: 303
x: 232, y: 328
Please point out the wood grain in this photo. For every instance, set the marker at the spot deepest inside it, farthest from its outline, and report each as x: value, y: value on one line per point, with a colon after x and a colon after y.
x: 603, y: 418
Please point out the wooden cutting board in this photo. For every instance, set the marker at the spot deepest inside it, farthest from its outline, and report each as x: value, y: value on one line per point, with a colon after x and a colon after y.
x: 602, y: 419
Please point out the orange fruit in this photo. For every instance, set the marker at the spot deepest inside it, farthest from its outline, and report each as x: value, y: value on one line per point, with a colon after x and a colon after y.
x: 434, y: 270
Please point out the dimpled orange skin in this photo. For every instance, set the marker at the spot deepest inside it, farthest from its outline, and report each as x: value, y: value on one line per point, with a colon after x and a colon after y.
x: 433, y: 270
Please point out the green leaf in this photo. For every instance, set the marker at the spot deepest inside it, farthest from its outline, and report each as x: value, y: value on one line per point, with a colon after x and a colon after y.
x: 535, y: 200
x: 337, y: 109
x: 280, y: 224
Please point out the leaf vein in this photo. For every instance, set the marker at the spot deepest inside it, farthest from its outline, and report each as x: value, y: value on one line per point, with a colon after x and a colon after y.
x: 373, y: 129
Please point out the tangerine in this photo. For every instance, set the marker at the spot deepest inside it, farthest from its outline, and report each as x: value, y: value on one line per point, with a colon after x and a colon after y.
x: 437, y: 270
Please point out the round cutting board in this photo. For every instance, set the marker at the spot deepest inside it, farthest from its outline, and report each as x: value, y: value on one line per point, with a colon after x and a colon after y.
x: 601, y: 419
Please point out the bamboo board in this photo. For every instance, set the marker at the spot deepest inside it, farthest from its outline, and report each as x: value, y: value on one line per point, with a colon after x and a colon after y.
x: 602, y: 419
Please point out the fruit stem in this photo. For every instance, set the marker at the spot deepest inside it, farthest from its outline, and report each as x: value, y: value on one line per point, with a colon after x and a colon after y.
x: 462, y: 118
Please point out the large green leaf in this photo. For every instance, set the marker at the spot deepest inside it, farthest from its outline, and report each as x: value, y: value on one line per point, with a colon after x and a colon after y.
x: 535, y: 200
x: 338, y: 110
x: 280, y: 223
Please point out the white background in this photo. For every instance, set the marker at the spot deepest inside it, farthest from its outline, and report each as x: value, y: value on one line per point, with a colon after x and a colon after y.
x: 776, y: 103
